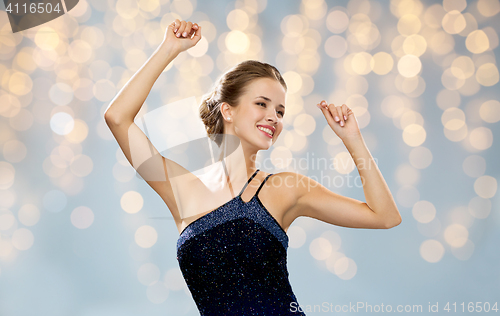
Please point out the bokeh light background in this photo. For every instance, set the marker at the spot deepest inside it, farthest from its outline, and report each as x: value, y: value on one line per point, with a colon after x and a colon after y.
x: 80, y: 234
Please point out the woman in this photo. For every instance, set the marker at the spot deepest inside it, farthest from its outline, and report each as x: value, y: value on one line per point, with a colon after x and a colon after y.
x: 233, y: 257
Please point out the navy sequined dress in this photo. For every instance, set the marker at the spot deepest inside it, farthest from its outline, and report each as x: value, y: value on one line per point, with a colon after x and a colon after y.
x: 234, y: 260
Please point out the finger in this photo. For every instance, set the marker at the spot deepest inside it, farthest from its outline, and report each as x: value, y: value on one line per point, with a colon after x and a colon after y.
x: 197, y: 35
x: 326, y: 112
x: 181, y: 28
x: 176, y: 23
x: 187, y: 29
x: 193, y: 30
x: 344, y: 112
x: 333, y: 110
x: 341, y: 115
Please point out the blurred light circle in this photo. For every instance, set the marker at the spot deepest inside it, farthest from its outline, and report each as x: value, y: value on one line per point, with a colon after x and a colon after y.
x: 131, y: 202
x: 381, y: 63
x: 148, y: 273
x: 414, y: 135
x: 343, y: 163
x: 477, y: 42
x: 409, y: 24
x: 456, y: 235
x: 431, y: 250
x: 487, y: 74
x: 420, y: 157
x: 409, y: 66
x: 174, y: 280
x: 320, y: 248
x: 157, y: 293
x: 447, y: 99
x: 481, y: 138
x: 345, y: 268
x: 61, y: 123
x: 304, y: 124
x: 28, y: 214
x: 490, y: 111
x: 486, y: 187
x: 337, y: 21
x: 82, y: 217
x: 453, y: 119
x: 474, y: 166
x: 335, y: 46
x: 146, y: 236
x: 453, y: 22
x: 281, y: 157
x: 424, y: 211
x: 462, y: 67
x: 237, y: 20
x: 22, y: 239
x: 200, y: 49
x: 237, y: 42
x: 479, y: 207
x: 450, y: 5
x: 488, y: 7
x: 7, y: 221
x: 297, y: 236
x: 7, y: 175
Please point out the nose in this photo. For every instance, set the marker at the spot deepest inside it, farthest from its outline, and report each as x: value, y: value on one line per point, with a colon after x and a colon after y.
x: 272, y: 117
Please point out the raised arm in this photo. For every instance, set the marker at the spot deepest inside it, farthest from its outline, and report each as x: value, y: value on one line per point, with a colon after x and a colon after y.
x: 316, y: 201
x: 139, y: 151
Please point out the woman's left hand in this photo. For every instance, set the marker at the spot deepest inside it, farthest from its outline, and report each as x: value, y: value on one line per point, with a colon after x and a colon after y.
x: 341, y: 119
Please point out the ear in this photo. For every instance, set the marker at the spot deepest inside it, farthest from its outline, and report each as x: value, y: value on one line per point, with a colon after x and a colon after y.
x: 227, y: 111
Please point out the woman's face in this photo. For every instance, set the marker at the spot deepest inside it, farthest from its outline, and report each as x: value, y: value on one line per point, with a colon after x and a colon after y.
x: 258, y: 118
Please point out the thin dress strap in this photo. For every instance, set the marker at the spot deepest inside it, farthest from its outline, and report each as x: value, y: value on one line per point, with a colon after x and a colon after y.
x: 253, y: 176
x: 260, y: 187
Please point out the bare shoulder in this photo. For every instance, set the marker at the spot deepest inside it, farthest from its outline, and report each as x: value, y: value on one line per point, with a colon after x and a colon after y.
x: 281, y: 192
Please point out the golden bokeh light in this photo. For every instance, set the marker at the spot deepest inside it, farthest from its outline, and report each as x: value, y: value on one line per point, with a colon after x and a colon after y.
x: 474, y: 166
x: 487, y: 75
x: 320, y: 248
x: 486, y: 186
x: 451, y: 5
x: 479, y: 207
x: 146, y: 236
x: 456, y: 235
x: 477, y: 42
x: 481, y: 138
x: 381, y: 63
x: 423, y: 211
x: 131, y: 202
x: 337, y: 21
x: 237, y: 20
x: 463, y: 67
x: 297, y: 236
x: 409, y: 66
x: 409, y: 24
x: 431, y: 250
x: 237, y: 42
x: 453, y: 119
x: 420, y: 157
x: 488, y: 8
x: 490, y: 111
x: 82, y: 217
x: 414, y: 135
x: 453, y: 22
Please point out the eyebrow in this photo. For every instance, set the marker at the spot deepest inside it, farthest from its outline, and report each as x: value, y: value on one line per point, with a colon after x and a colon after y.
x: 267, y: 99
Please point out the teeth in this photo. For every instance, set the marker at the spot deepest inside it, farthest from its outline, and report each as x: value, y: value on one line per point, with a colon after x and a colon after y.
x: 267, y: 130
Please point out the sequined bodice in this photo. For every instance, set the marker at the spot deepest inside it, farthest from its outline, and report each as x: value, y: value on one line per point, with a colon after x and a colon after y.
x: 234, y: 260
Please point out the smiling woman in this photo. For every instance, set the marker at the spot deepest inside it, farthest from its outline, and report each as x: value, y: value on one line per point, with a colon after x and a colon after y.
x: 233, y: 257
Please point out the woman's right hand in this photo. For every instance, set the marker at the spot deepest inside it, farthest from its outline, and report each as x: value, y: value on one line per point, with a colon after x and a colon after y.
x: 181, y: 35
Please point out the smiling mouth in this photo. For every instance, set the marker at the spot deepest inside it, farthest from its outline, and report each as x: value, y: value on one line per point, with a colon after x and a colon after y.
x: 266, y: 131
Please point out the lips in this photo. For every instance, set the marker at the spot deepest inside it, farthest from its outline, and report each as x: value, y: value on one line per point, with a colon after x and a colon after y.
x: 270, y: 128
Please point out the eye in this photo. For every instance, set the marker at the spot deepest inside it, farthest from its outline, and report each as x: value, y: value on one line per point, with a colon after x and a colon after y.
x: 259, y: 103
x: 282, y: 113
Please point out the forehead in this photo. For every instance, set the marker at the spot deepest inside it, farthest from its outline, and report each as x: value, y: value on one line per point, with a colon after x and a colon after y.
x: 266, y: 87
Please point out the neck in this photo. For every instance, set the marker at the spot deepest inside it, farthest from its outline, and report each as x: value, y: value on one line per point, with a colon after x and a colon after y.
x: 239, y: 158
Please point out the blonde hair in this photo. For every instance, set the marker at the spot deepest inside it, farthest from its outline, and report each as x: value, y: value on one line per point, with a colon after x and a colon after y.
x: 229, y: 88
